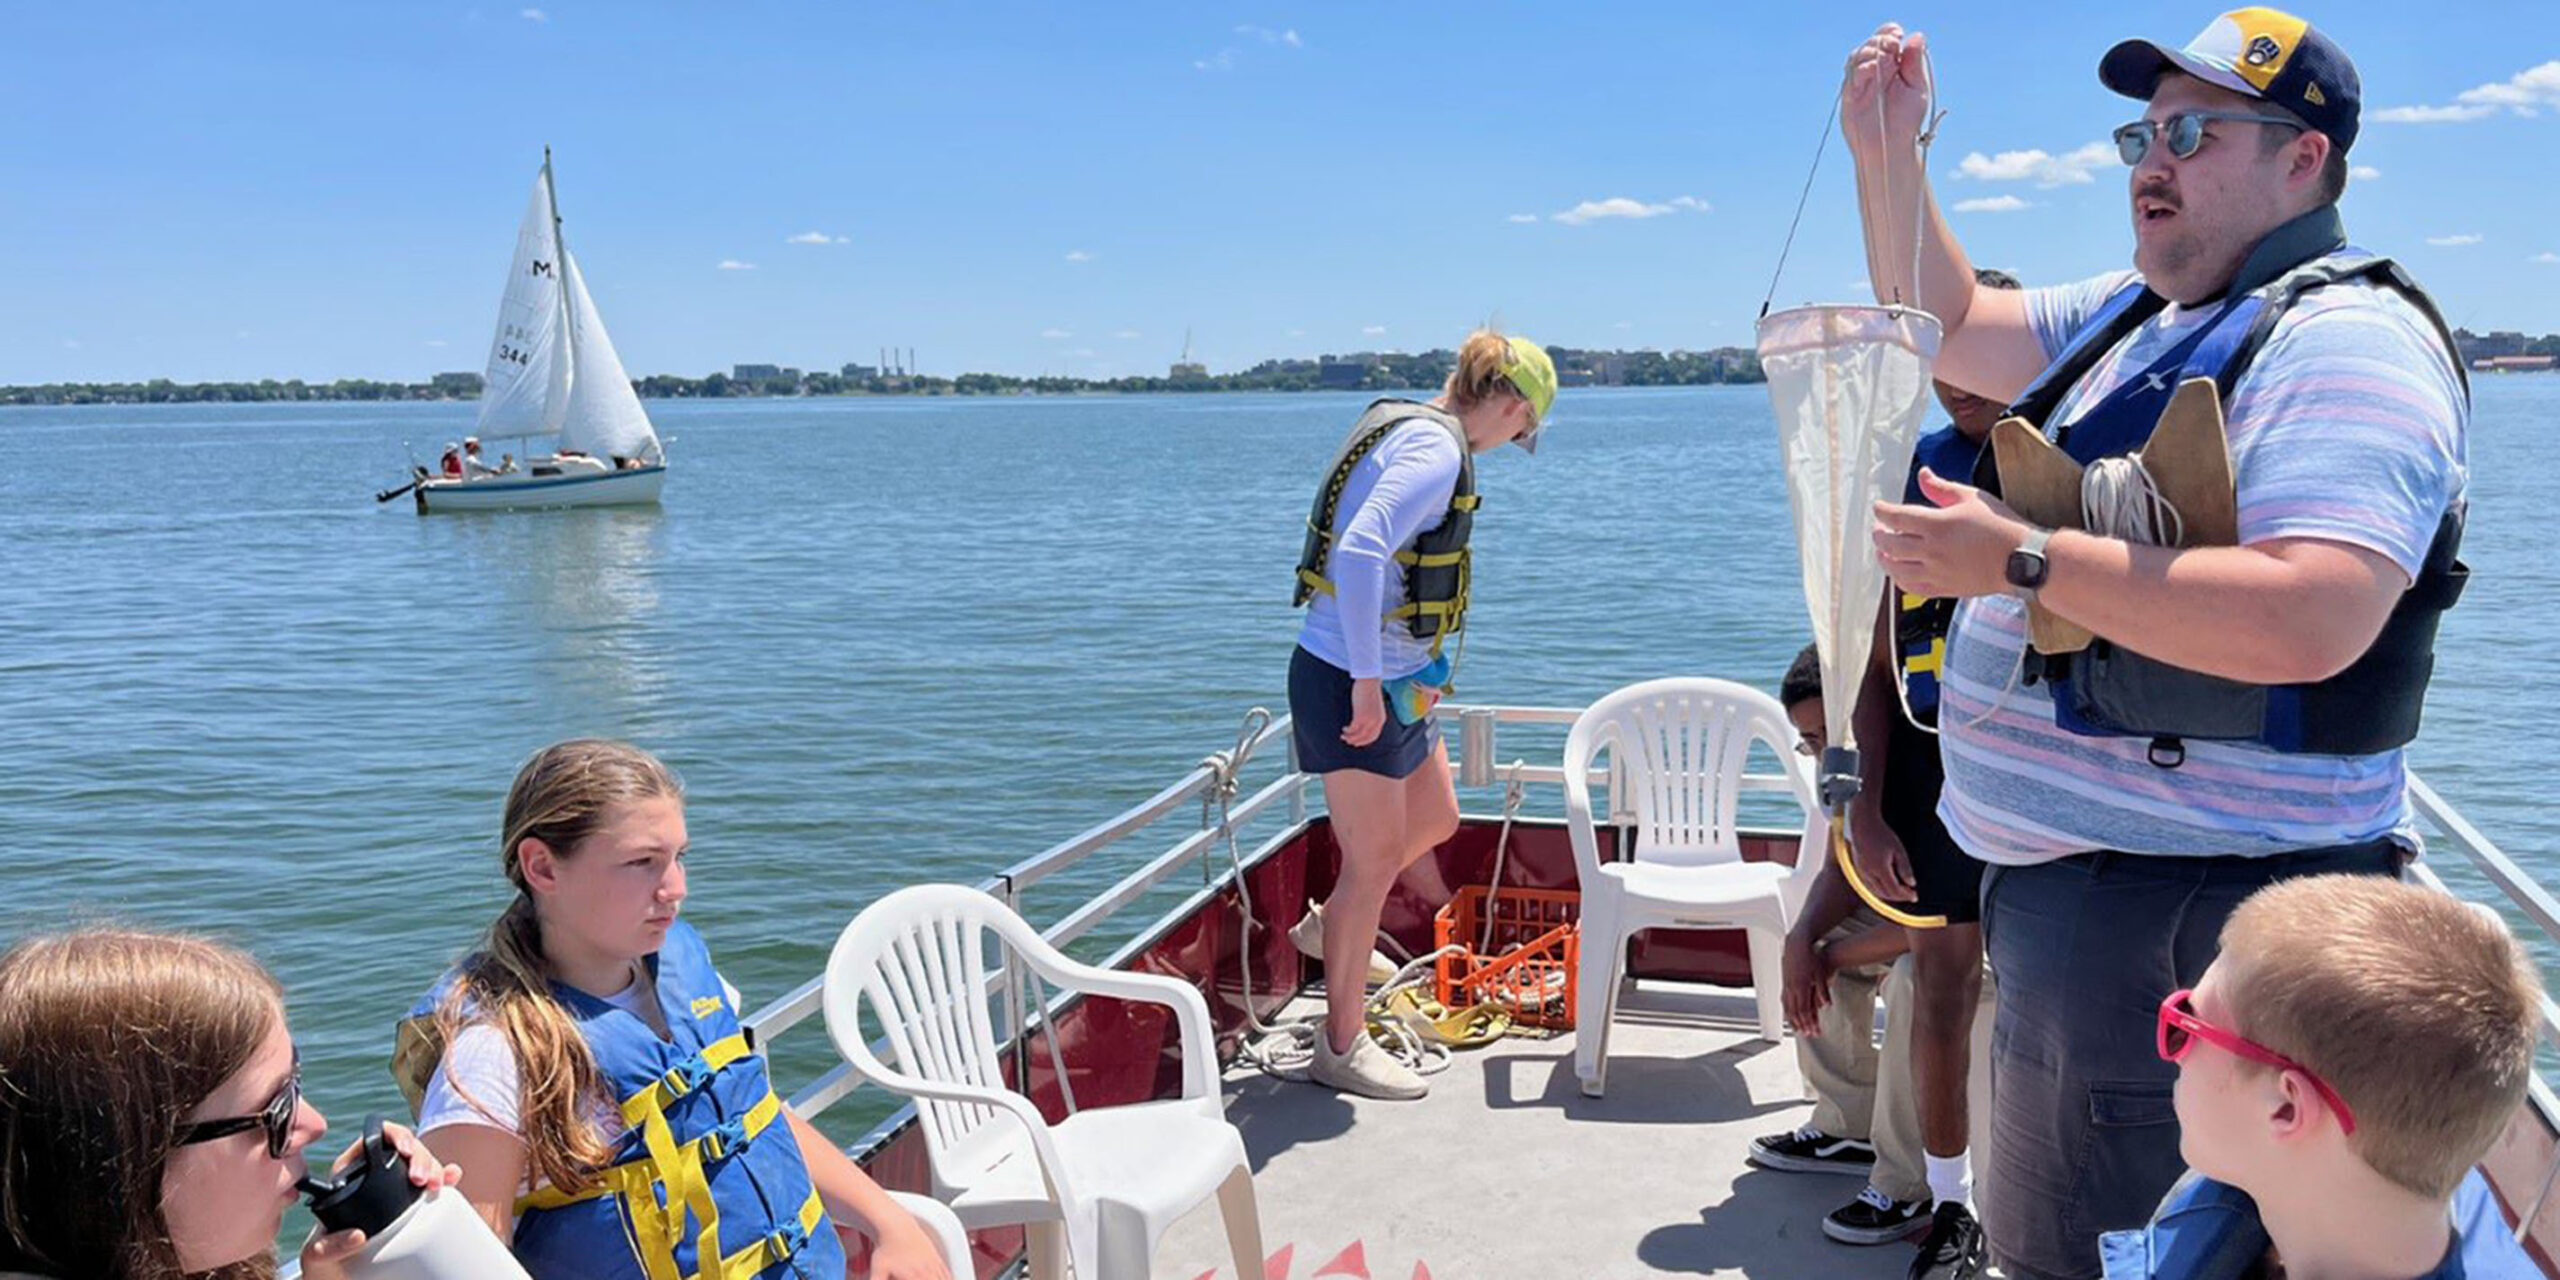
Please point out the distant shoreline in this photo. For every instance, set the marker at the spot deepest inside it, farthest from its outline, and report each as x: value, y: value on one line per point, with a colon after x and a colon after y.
x: 1366, y: 371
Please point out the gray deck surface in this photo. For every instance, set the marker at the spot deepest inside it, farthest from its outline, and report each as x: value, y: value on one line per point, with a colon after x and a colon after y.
x: 1506, y: 1172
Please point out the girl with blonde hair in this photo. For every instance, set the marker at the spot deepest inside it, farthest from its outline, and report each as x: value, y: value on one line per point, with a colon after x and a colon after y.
x: 588, y: 1068
x: 152, y: 1123
x: 1384, y: 574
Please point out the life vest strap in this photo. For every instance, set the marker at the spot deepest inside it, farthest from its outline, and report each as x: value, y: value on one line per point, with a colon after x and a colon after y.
x: 684, y: 1077
x: 637, y: 1178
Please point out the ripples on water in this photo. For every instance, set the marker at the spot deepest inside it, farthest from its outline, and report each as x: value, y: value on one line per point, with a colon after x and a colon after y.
x: 884, y: 641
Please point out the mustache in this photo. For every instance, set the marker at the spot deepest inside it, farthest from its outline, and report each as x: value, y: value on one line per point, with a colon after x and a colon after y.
x: 2159, y: 191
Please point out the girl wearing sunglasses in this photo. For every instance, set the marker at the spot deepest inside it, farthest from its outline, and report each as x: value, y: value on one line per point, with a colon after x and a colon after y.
x: 588, y: 1068
x: 152, y: 1123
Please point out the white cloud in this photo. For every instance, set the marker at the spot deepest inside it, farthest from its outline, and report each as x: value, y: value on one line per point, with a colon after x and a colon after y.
x: 1078, y: 255
x: 1269, y: 36
x: 817, y: 237
x: 1372, y: 330
x: 1626, y: 207
x: 2546, y: 256
x: 1297, y: 333
x: 2038, y: 166
x: 1522, y: 217
x: 432, y: 342
x: 1622, y: 325
x: 70, y: 344
x: 2364, y: 173
x: 533, y: 15
x: 2430, y: 115
x: 1083, y: 351
x: 732, y: 264
x: 2526, y: 93
x: 1225, y: 60
x: 241, y: 334
x: 1055, y: 333
x: 2443, y: 242
x: 1125, y: 334
x: 1992, y: 204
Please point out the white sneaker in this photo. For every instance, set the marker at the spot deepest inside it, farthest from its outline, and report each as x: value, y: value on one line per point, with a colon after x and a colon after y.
x: 1364, y: 1069
x: 1308, y: 935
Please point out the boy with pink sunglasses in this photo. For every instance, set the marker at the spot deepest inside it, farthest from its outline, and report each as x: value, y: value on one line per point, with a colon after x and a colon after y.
x: 2356, y: 1047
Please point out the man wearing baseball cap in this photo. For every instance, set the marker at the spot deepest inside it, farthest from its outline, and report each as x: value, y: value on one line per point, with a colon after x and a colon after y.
x: 2240, y: 715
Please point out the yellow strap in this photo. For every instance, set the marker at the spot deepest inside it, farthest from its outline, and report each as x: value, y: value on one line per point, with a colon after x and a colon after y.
x: 1467, y: 503
x: 1435, y: 608
x: 654, y: 1099
x: 771, y: 1249
x: 1316, y: 581
x: 637, y: 1177
x: 1840, y: 848
x: 1440, y: 560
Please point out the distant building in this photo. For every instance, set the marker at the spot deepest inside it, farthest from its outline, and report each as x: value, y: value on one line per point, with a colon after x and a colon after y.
x: 2477, y: 347
x: 2517, y: 364
x: 459, y: 384
x: 1188, y: 371
x: 754, y: 372
x: 1341, y: 374
x: 861, y: 372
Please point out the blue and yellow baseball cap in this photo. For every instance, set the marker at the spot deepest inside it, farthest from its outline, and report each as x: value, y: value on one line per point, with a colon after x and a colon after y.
x: 1533, y: 373
x: 2267, y: 54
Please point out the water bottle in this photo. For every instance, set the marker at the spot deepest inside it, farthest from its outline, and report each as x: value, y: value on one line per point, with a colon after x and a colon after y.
x: 411, y: 1232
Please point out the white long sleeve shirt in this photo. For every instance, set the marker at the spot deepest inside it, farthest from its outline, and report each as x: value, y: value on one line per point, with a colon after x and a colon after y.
x: 1399, y: 492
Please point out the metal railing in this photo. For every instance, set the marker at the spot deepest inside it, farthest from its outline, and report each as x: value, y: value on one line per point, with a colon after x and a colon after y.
x: 1476, y: 744
x: 1476, y: 748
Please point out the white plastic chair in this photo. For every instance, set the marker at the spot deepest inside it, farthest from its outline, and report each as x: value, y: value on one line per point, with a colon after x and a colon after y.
x: 1096, y: 1191
x: 1678, y: 748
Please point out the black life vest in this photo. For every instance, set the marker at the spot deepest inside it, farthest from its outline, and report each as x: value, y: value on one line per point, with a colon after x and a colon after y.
x: 2109, y: 690
x: 1438, y: 564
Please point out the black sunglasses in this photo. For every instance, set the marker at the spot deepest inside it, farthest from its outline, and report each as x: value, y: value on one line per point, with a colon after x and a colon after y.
x: 2184, y: 132
x: 276, y: 1118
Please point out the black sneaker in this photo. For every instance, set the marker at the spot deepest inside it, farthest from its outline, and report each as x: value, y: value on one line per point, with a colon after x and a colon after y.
x: 1875, y: 1218
x: 1810, y: 1150
x: 1953, y: 1250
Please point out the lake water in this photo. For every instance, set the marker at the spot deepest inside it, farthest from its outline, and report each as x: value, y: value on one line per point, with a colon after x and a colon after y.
x: 884, y: 641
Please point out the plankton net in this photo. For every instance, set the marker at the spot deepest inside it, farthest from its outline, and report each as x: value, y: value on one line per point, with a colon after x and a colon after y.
x: 1849, y: 384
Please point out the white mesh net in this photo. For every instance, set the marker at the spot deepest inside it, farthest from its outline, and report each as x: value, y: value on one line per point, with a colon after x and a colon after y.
x: 1850, y: 385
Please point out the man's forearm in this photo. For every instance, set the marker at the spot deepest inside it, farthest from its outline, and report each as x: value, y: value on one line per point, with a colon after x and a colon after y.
x: 2298, y: 613
x: 1888, y: 188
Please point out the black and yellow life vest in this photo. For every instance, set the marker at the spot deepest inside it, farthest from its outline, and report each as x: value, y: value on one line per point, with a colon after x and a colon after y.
x: 1438, y: 564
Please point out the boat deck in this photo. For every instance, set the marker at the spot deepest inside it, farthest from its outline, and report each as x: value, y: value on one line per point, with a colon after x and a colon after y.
x: 1506, y: 1170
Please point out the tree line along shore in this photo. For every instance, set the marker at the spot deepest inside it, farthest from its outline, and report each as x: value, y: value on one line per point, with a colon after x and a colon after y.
x: 1366, y: 372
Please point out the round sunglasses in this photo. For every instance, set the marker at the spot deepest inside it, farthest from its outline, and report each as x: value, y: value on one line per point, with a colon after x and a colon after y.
x: 2181, y: 1028
x: 2184, y: 132
x: 276, y: 1118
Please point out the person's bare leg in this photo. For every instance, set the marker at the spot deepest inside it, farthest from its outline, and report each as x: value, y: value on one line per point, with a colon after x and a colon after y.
x: 1367, y: 811
x: 1946, y: 978
x: 1430, y: 807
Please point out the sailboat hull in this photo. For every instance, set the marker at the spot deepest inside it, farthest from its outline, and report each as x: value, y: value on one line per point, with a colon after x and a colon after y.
x: 637, y: 486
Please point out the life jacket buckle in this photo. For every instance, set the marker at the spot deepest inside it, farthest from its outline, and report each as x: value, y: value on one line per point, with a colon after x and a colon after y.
x: 2167, y: 752
x: 684, y: 1077
x: 719, y: 1143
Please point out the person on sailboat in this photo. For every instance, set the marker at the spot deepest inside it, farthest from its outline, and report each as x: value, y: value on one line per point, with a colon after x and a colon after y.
x: 473, y: 466
x: 588, y: 1069
x: 2246, y: 723
x: 451, y: 463
x: 1384, y: 575
x: 152, y: 1121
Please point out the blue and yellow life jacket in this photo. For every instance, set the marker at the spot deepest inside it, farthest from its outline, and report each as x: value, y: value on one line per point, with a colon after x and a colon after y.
x: 2109, y: 690
x: 708, y: 1182
x: 1921, y: 623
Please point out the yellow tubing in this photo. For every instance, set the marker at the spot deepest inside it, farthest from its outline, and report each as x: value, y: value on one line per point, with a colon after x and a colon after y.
x: 1849, y: 868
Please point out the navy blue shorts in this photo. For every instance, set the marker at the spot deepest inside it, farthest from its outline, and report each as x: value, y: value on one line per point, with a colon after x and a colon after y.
x: 1320, y: 705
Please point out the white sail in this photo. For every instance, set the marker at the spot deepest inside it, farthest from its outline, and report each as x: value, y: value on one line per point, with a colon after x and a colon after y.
x: 1850, y: 385
x: 528, y: 378
x: 604, y: 417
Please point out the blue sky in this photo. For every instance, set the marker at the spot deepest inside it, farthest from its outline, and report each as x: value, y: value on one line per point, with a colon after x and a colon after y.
x: 330, y: 190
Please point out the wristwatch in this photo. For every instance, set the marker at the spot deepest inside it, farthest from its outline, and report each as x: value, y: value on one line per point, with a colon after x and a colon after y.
x: 2027, y: 565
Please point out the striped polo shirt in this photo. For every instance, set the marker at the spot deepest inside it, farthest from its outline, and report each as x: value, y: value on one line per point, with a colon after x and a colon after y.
x: 2347, y: 427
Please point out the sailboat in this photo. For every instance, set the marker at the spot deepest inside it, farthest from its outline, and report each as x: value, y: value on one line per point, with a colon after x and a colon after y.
x: 553, y: 377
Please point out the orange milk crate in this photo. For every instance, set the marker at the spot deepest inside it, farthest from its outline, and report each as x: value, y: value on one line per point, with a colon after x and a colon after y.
x: 1537, y: 940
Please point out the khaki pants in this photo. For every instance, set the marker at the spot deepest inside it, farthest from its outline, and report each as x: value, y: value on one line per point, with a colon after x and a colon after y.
x: 1865, y: 1093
